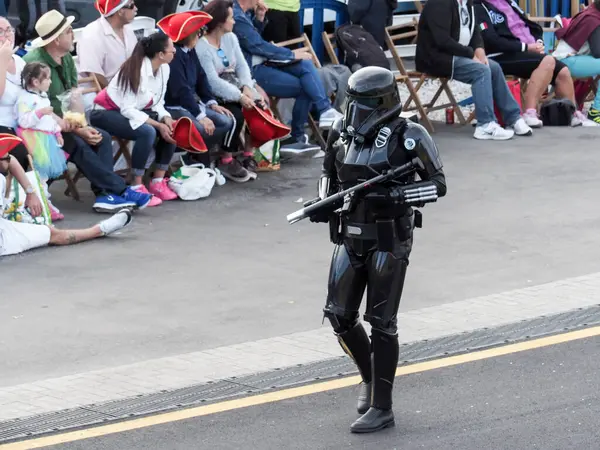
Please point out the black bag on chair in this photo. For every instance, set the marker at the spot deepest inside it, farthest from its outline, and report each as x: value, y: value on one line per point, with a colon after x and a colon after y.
x: 359, y: 47
x: 557, y: 112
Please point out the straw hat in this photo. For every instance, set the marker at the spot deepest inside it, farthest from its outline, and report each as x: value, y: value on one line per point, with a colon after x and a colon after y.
x: 49, y: 27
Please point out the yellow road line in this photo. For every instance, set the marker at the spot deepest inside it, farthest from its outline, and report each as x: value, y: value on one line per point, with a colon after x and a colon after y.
x: 293, y: 392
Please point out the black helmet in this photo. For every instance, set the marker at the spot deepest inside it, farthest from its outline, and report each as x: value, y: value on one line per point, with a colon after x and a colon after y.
x: 371, y: 98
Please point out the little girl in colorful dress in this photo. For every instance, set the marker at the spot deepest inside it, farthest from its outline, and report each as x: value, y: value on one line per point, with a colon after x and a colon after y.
x: 39, y: 127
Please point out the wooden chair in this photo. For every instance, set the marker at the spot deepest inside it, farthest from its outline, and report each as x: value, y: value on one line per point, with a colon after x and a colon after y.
x: 303, y: 43
x: 330, y: 45
x: 393, y: 37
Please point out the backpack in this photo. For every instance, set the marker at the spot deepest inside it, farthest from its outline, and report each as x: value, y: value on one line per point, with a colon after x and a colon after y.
x: 557, y: 112
x: 359, y: 47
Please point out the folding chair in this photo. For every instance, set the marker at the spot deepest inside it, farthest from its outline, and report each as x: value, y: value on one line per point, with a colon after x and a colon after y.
x: 395, y: 47
x: 306, y: 45
x: 330, y: 45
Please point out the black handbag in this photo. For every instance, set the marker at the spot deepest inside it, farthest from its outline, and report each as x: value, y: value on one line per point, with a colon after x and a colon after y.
x: 557, y: 112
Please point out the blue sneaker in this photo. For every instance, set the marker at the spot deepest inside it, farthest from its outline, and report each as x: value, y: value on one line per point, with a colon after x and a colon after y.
x: 140, y: 199
x: 111, y: 203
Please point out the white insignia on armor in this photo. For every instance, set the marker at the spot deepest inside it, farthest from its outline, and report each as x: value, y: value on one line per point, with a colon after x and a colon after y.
x: 382, y: 137
x: 354, y: 230
x: 410, y: 143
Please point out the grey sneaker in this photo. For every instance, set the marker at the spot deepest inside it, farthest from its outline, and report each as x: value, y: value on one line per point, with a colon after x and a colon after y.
x: 235, y: 171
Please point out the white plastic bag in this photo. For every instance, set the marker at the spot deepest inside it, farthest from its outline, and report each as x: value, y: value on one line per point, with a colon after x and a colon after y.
x: 192, y: 182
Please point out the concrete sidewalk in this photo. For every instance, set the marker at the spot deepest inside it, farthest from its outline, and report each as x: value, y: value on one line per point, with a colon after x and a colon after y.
x: 191, y: 287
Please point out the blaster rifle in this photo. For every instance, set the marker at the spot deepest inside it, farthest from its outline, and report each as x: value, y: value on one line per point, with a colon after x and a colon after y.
x: 313, y: 206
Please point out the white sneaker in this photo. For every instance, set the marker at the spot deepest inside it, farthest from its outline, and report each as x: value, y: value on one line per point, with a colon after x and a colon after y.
x: 116, y: 222
x: 578, y: 119
x: 328, y: 117
x: 492, y: 131
x: 533, y: 120
x: 521, y: 128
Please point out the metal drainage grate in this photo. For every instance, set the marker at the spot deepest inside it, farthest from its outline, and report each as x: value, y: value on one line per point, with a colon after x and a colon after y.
x: 292, y: 376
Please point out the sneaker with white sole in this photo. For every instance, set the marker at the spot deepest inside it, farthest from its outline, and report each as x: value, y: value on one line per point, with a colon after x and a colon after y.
x: 328, y: 117
x: 492, y: 131
x: 116, y: 222
x: 521, y: 128
x: 578, y: 119
x: 532, y: 119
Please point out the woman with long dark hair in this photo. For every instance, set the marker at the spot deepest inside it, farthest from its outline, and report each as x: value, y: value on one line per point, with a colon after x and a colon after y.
x: 132, y: 107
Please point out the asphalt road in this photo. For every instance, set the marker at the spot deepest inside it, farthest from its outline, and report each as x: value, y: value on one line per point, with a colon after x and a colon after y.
x: 190, y: 276
x: 547, y: 398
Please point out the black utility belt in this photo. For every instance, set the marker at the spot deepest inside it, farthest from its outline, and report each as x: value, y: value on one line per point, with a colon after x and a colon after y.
x: 383, y: 229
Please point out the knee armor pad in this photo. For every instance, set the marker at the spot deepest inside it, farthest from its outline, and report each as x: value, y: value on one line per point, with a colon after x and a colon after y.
x: 341, y: 323
x: 386, y: 326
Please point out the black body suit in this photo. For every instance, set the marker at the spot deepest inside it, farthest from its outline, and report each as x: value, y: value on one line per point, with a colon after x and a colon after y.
x: 373, y: 230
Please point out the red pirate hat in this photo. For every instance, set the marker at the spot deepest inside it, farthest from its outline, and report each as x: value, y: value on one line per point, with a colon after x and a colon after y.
x: 188, y: 137
x: 109, y: 7
x: 8, y: 142
x: 263, y: 126
x: 178, y: 26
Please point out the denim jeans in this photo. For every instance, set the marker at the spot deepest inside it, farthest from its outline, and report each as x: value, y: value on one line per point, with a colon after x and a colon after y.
x: 96, y: 163
x: 584, y: 66
x: 488, y: 85
x: 300, y: 81
x: 144, y: 137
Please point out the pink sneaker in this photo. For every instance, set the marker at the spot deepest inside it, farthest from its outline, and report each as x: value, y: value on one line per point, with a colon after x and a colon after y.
x: 55, y: 214
x: 155, y: 200
x: 162, y: 190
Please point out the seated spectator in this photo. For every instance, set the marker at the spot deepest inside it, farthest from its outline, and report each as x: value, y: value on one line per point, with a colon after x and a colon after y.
x: 11, y: 66
x: 516, y: 43
x: 281, y: 72
x: 282, y: 20
x: 189, y: 94
x: 133, y: 108
x: 373, y: 16
x: 18, y: 237
x: 579, y: 49
x: 107, y: 42
x: 90, y: 149
x: 449, y: 45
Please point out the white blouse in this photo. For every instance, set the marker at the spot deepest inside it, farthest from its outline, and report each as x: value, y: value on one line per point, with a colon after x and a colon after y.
x: 12, y: 90
x: 152, y: 89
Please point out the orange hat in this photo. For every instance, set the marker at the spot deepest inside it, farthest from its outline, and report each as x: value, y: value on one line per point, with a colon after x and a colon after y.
x: 263, y: 126
x: 109, y: 7
x: 178, y: 26
x: 187, y: 136
x: 8, y: 142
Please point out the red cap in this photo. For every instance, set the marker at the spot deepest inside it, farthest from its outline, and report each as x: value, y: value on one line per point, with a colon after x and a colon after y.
x: 263, y: 127
x: 109, y: 7
x: 8, y: 142
x: 178, y: 26
x: 188, y: 137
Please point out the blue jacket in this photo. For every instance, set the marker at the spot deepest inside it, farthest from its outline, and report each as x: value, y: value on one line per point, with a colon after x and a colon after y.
x: 248, y: 31
x: 187, y: 80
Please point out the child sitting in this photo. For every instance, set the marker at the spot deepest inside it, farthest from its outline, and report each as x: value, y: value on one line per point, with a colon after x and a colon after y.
x: 39, y: 127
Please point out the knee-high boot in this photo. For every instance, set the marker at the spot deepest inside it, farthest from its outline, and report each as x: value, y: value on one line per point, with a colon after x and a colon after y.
x: 385, y: 361
x: 356, y: 344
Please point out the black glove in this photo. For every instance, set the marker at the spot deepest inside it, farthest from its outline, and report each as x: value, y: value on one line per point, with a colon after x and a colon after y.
x: 321, y: 217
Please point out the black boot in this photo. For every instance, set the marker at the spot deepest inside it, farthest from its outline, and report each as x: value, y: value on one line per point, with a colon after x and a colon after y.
x: 385, y: 361
x: 356, y: 344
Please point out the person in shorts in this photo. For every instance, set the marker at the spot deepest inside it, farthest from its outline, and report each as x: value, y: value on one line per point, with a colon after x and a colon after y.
x: 18, y: 237
x: 516, y: 43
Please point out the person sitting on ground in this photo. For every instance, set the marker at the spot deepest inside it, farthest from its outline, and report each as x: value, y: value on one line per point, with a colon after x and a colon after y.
x: 107, y: 42
x: 18, y: 237
x: 89, y: 148
x: 516, y: 43
x: 133, y: 108
x: 579, y: 49
x: 11, y: 66
x: 449, y: 45
x: 189, y: 94
x: 281, y: 72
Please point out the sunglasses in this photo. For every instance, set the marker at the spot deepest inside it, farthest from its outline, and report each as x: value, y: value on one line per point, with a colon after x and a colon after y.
x: 130, y: 6
x: 221, y: 54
